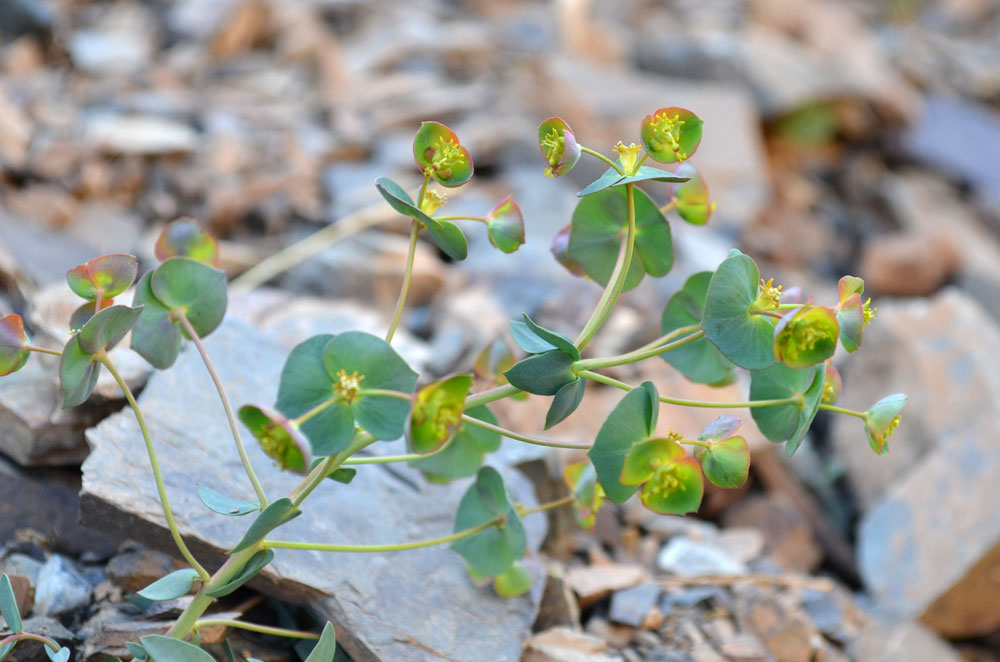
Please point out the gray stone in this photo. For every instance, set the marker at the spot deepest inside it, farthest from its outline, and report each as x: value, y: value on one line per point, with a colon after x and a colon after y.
x: 630, y: 606
x: 823, y: 612
x: 61, y: 588
x: 688, y: 558
x: 394, y: 607
x: 110, y: 52
x: 22, y: 564
x: 887, y: 641
x: 142, y: 135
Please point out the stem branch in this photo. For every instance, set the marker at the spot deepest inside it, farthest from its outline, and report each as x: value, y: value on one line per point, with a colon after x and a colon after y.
x: 537, y: 441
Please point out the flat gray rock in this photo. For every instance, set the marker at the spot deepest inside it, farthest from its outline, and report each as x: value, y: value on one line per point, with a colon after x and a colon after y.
x: 396, y: 607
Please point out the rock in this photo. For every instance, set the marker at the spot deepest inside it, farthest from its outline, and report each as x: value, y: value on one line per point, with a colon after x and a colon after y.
x: 743, y: 544
x: 18, y: 17
x: 109, y: 53
x: 630, y: 606
x: 745, y: 648
x: 42, y: 255
x: 824, y: 612
x: 909, y: 264
x: 378, y: 506
x: 134, y: 571
x: 564, y: 645
x: 24, y: 595
x: 886, y: 641
x: 687, y: 558
x: 591, y: 583
x: 927, y: 342
x: 23, y: 565
x: 142, y: 135
x: 558, y: 607
x: 787, y: 533
x: 61, y: 588
x: 792, y: 643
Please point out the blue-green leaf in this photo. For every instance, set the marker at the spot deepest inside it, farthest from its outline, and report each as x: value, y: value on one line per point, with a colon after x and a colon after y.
x: 223, y: 505
x: 168, y: 649
x: 276, y: 514
x: 171, y: 586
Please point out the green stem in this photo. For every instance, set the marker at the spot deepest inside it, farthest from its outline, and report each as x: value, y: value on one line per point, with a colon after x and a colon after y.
x: 230, y: 417
x: 587, y: 150
x: 793, y: 400
x: 312, y: 412
x: 639, y: 355
x: 253, y: 627
x: 694, y: 442
x: 768, y: 313
x: 667, y: 207
x: 537, y: 441
x: 841, y: 410
x: 490, y: 395
x: 389, y: 459
x: 27, y: 636
x: 43, y: 350
x: 618, y: 276
x: 546, y: 506
x: 154, y: 463
x: 404, y: 290
x: 392, y: 547
x: 460, y: 218
x: 328, y: 466
x: 202, y: 601
x: 684, y: 330
x: 641, y: 161
x: 399, y: 395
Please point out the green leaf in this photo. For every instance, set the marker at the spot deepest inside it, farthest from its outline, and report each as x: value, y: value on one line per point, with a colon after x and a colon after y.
x: 13, y: 354
x: 806, y: 336
x: 542, y: 374
x: 528, y: 340
x: 437, y: 412
x: 559, y: 147
x: 632, y: 420
x: 171, y: 586
x: 786, y: 422
x: 505, y: 225
x: 681, y: 492
x: 196, y: 288
x: 691, y: 199
x: 450, y: 239
x: 613, y: 178
x: 671, y: 135
x: 721, y: 428
x: 588, y: 495
x: 138, y: 652
x: 727, y: 462
x: 256, y: 563
x: 514, y: 582
x: 107, y: 276
x: 62, y: 655
x: 77, y: 373
x: 280, y: 438
x: 6, y: 649
x: 8, y: 606
x: 378, y: 366
x: 743, y: 338
x: 168, y: 649
x: 645, y: 456
x: 851, y: 318
x: 306, y: 385
x: 600, y: 222
x: 107, y: 328
x: 224, y: 505
x: 565, y: 403
x: 400, y: 200
x: 437, y: 150
x: 491, y: 551
x: 557, y: 340
x: 186, y: 238
x: 343, y: 475
x: 699, y: 361
x: 326, y: 647
x: 607, y: 180
x: 276, y: 514
x: 560, y: 251
x: 465, y: 453
x: 881, y: 421
x: 154, y: 336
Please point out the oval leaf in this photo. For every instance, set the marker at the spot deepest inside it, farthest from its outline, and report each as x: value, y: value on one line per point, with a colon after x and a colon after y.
x: 107, y: 328
x: 505, y: 225
x: 491, y: 551
x: 727, y: 462
x: 450, y: 239
x: 61, y: 655
x: 187, y: 238
x: 786, y: 422
x: 632, y: 420
x: 514, y: 582
x: 699, y: 361
x: 195, y: 288
x: 8, y: 606
x: 13, y: 341
x: 103, y: 277
x: 168, y: 649
x: 542, y: 374
x: 743, y: 338
x: 567, y: 399
x: 154, y: 337
x: 465, y: 453
x: 256, y: 563
x: 78, y: 373
x: 223, y: 505
x: 326, y: 647
x: 171, y: 586
x: 400, y: 200
x: 557, y: 340
x: 276, y: 514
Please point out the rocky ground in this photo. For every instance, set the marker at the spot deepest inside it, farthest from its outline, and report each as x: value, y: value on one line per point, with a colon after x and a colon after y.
x: 840, y: 137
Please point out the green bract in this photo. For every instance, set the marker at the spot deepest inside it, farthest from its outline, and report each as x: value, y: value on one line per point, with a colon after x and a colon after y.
x: 671, y: 135
x: 631, y: 421
x: 726, y: 461
x: 103, y: 277
x: 600, y: 222
x: 505, y: 225
x: 543, y: 374
x: 493, y: 550
x: 699, y: 361
x: 278, y: 437
x: 13, y: 344
x: 614, y: 178
x: 437, y: 413
x: 743, y: 337
x: 691, y: 199
x: 787, y: 422
x: 439, y: 154
x: 179, y: 286
x: 464, y: 454
x: 882, y: 419
x: 323, y: 384
x: 560, y: 251
x: 565, y: 402
x: 558, y: 145
x: 588, y: 495
x: 805, y: 336
x: 833, y: 385
x: 445, y: 234
x: 186, y: 238
x: 514, y: 582
x: 671, y: 481
x: 79, y: 365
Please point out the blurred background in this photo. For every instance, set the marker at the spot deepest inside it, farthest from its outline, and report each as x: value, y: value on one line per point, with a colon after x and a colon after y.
x: 841, y: 137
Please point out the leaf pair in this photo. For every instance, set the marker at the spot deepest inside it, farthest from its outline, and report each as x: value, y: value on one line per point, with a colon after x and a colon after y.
x: 492, y: 551
x: 549, y: 369
x: 445, y: 234
x: 79, y: 366
x: 465, y: 453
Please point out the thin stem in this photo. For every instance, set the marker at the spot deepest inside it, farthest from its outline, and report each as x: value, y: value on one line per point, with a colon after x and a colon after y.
x: 328, y: 466
x: 43, y: 350
x: 154, y: 463
x: 617, y: 280
x: 537, y: 441
x: 253, y: 627
x: 695, y: 442
x: 490, y: 395
x: 392, y: 547
x: 28, y: 636
x: 299, y: 420
x: 639, y: 355
x: 682, y: 331
x: 233, y: 427
x: 202, y: 601
x: 667, y: 207
x: 587, y: 150
x: 546, y: 506
x: 423, y: 189
x: 768, y: 313
x: 841, y: 410
x: 642, y: 160
x: 407, y: 275
x: 99, y: 301
x: 399, y: 395
x: 460, y: 218
x: 793, y: 400
x: 389, y: 459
